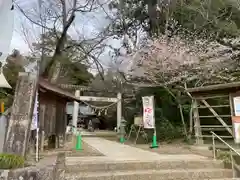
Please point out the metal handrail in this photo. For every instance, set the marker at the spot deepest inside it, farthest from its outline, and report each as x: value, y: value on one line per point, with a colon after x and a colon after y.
x: 231, y: 150
x: 229, y: 146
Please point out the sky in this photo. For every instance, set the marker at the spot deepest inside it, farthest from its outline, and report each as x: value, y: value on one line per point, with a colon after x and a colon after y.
x: 18, y: 41
x: 86, y: 25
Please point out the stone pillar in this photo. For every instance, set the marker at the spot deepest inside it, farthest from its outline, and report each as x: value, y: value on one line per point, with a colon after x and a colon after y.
x: 119, y: 111
x: 17, y: 136
x: 75, y: 109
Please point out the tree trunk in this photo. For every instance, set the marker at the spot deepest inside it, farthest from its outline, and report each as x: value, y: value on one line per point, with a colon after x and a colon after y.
x: 21, y: 117
x: 54, y: 67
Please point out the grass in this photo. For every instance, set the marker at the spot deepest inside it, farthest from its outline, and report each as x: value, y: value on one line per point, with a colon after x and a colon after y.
x: 11, y: 161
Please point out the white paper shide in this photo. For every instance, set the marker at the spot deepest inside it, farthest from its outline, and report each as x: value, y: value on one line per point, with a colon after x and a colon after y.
x: 148, y: 112
x: 34, y: 123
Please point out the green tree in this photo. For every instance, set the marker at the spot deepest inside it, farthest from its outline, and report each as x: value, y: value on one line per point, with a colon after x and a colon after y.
x: 14, y: 65
x: 183, y: 21
x: 74, y: 69
x: 201, y: 17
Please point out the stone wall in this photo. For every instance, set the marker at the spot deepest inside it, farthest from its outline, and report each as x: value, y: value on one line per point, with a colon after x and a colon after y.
x: 44, y: 170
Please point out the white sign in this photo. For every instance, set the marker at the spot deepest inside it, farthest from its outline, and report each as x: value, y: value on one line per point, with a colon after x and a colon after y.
x: 236, y: 127
x: 148, y: 112
x: 236, y: 102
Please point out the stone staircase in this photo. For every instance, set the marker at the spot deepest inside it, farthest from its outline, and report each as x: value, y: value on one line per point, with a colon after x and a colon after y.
x: 103, y: 168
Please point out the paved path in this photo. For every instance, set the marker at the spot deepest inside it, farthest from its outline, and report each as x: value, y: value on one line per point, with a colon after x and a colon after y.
x: 117, y: 151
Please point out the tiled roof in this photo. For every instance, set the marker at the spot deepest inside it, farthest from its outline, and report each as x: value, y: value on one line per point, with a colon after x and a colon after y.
x: 44, y: 84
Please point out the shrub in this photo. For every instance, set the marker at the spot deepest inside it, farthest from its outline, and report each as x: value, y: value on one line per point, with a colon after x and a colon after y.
x: 166, y: 131
x: 11, y: 161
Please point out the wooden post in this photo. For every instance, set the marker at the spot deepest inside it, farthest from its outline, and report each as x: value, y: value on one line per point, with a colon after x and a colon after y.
x: 56, y: 141
x: 42, y: 109
x: 42, y: 141
x: 197, y: 127
x: 21, y: 116
x: 75, y: 109
x: 119, y: 111
x: 231, y: 104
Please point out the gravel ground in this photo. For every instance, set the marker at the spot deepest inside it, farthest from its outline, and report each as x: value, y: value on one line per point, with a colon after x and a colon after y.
x: 69, y: 149
x: 87, y: 151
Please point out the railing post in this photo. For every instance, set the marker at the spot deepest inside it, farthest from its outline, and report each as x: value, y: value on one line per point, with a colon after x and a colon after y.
x: 213, y: 147
x: 233, y: 166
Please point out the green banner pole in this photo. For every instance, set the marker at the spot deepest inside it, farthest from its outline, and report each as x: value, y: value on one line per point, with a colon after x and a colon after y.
x: 78, y: 142
x: 154, y: 139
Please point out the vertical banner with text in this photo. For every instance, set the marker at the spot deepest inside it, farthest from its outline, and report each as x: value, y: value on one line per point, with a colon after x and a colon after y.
x: 148, y: 112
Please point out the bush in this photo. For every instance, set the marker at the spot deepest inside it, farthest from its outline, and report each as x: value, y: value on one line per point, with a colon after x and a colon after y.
x: 11, y: 161
x: 166, y: 131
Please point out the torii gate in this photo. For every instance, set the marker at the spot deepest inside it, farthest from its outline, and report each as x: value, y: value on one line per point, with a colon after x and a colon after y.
x: 117, y: 100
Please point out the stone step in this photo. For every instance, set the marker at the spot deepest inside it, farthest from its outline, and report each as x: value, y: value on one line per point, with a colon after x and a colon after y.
x: 140, y: 165
x: 196, y: 174
x: 225, y: 179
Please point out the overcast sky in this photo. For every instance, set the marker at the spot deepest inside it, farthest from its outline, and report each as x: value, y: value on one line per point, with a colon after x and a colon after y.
x: 86, y: 25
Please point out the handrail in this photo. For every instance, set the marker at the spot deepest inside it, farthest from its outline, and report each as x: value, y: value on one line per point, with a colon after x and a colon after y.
x: 230, y: 147
x: 234, y: 165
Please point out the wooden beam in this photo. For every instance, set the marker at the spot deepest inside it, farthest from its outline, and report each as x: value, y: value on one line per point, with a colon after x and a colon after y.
x: 214, y: 126
x: 215, y: 106
x: 210, y: 97
x: 223, y: 116
x: 98, y: 99
x: 214, y: 129
x: 217, y: 116
x: 210, y: 136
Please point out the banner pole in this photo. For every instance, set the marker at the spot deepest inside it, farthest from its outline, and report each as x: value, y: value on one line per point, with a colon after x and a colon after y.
x: 154, y: 140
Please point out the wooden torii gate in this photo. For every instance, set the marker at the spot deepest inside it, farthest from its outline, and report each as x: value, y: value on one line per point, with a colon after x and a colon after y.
x: 117, y: 100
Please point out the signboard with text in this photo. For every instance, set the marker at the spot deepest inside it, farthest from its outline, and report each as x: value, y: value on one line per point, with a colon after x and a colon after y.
x: 148, y: 112
x: 236, y: 128
x: 236, y: 102
x: 236, y: 119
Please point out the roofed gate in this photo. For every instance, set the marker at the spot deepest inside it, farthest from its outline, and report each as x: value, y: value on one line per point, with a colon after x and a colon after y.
x: 213, y: 110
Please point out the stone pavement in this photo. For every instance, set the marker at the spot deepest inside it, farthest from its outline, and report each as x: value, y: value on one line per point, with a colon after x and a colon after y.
x: 130, y: 163
x: 116, y: 151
